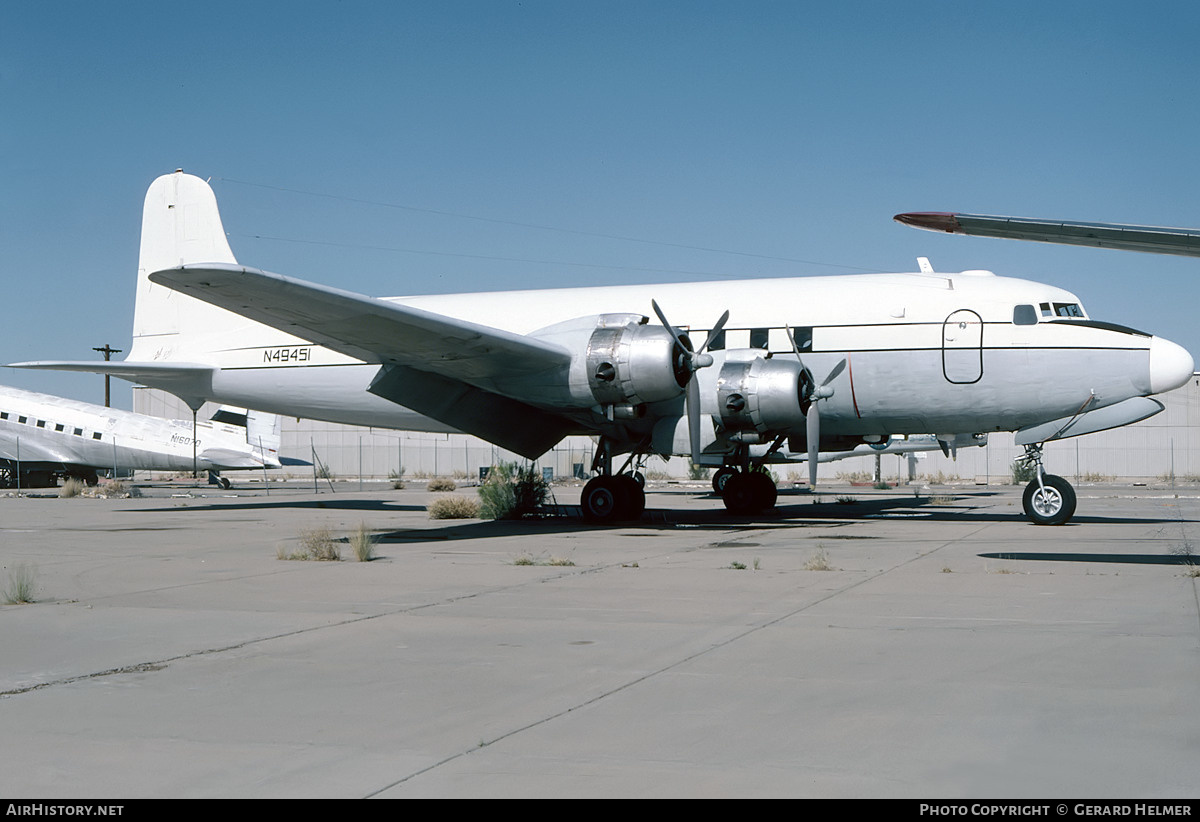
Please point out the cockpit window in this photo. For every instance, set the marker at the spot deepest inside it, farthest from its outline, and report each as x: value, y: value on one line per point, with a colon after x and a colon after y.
x: 1025, y: 315
x: 1061, y: 310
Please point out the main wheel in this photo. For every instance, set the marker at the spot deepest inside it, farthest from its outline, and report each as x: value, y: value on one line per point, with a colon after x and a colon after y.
x: 764, y: 491
x: 721, y: 477
x: 1051, y: 503
x: 606, y: 499
x: 635, y: 496
x: 738, y: 494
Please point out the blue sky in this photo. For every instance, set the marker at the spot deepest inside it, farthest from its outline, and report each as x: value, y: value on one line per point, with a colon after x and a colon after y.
x: 422, y: 147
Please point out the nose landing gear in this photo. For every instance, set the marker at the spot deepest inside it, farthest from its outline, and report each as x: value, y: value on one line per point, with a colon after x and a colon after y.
x: 1048, y: 499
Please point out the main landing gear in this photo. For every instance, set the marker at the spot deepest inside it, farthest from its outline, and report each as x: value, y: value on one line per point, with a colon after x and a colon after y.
x: 1048, y: 499
x: 744, y: 489
x: 749, y: 492
x: 612, y: 497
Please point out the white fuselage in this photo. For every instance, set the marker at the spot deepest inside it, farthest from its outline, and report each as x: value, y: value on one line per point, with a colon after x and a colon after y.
x: 49, y: 430
x: 924, y: 352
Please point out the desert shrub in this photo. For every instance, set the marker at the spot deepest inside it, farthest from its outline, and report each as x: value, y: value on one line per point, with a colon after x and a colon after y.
x: 454, y: 508
x: 315, y: 543
x: 21, y: 581
x: 511, y: 492
x: 71, y: 487
x: 1022, y: 472
x: 362, y: 542
x: 440, y: 484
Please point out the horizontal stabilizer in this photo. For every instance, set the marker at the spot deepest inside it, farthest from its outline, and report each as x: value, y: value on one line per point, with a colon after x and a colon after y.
x: 228, y: 458
x: 191, y: 382
x: 1154, y: 239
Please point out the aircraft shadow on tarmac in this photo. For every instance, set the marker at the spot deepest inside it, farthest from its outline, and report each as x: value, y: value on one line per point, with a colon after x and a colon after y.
x: 1131, y: 559
x: 821, y: 510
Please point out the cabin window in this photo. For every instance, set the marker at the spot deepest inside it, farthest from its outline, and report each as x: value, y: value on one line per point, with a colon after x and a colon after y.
x: 802, y: 337
x: 3, y: 415
x: 79, y: 432
x: 718, y: 343
x: 759, y: 337
x: 41, y: 423
x: 59, y: 427
x: 1025, y: 315
x: 22, y: 420
x: 96, y: 436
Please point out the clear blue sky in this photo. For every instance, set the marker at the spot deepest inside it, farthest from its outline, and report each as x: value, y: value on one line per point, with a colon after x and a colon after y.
x: 788, y: 132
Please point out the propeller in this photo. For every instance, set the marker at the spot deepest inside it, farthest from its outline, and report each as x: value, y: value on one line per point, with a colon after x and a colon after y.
x: 692, y: 361
x: 812, y: 415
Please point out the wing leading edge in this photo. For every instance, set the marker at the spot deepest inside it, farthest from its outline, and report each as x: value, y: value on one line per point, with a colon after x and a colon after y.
x: 366, y: 328
x: 1153, y: 239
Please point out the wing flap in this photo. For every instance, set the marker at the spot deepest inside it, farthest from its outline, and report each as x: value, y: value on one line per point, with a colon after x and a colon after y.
x: 509, y: 423
x: 366, y: 328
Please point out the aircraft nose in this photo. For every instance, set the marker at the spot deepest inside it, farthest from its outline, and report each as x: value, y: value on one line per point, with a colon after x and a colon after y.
x: 1170, y: 365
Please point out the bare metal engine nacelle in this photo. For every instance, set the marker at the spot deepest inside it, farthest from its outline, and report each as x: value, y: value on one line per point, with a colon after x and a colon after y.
x: 619, y: 361
x: 634, y: 363
x: 759, y: 399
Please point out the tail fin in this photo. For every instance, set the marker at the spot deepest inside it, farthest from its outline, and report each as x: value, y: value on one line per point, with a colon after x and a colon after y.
x: 180, y: 226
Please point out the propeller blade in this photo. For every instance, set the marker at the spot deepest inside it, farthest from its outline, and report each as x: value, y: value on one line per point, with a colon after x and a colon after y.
x: 812, y: 426
x: 693, y: 416
x: 837, y: 369
x: 717, y: 329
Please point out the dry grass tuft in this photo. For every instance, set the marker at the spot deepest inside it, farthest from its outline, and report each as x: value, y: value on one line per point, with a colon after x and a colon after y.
x: 454, y: 508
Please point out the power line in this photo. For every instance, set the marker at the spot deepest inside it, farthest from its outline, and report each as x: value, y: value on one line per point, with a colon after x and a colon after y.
x: 537, y: 226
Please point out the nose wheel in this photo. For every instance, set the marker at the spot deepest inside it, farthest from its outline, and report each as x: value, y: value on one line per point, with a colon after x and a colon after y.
x: 1048, y: 499
x: 1052, y: 502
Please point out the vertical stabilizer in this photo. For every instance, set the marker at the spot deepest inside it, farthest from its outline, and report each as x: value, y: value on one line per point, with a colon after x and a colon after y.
x: 180, y: 226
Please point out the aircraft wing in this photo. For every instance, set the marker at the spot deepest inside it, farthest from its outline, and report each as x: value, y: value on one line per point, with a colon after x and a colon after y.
x: 1154, y: 239
x: 366, y: 328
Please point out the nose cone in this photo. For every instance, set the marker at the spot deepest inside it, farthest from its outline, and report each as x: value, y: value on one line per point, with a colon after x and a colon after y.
x: 1170, y: 365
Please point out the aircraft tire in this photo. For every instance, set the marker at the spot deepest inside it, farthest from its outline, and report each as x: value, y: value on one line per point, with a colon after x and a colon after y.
x: 748, y: 493
x: 764, y: 490
x: 1052, y: 506
x: 635, y: 496
x: 721, y: 477
x: 604, y: 499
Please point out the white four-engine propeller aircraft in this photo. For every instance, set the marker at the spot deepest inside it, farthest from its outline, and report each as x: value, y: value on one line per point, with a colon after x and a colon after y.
x: 814, y: 363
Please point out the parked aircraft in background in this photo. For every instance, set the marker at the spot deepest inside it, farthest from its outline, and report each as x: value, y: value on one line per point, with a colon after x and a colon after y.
x: 44, y: 438
x: 814, y: 364
x: 1152, y: 239
x: 907, y: 444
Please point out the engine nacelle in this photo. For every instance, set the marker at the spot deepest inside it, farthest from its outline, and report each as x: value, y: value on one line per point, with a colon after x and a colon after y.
x: 760, y: 398
x: 619, y: 360
x: 635, y: 363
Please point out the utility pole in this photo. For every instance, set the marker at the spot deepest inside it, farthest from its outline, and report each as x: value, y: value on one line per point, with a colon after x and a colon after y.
x: 107, y: 352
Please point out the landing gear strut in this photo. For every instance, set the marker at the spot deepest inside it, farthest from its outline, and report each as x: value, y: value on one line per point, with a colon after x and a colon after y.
x: 1048, y: 499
